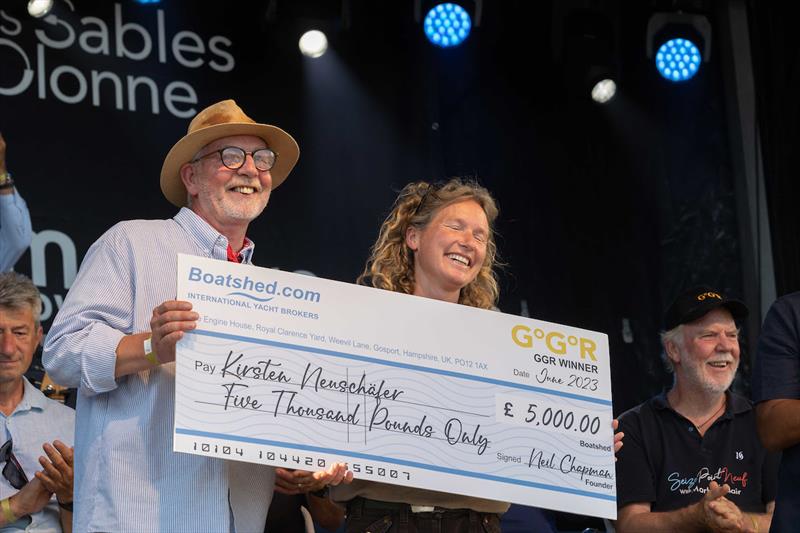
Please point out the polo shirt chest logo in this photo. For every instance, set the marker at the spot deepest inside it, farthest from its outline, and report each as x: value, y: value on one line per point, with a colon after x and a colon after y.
x: 699, y: 482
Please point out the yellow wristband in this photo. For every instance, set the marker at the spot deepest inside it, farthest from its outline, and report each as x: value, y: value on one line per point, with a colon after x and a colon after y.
x: 148, y: 352
x: 5, y: 503
x: 755, y: 523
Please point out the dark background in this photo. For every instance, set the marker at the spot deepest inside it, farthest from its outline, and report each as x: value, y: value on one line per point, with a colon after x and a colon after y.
x: 606, y: 211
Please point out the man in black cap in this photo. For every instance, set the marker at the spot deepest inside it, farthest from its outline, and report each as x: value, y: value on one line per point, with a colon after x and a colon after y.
x: 692, y: 459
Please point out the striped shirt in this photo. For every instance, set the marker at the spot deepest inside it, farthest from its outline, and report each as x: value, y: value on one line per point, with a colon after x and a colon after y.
x: 127, y: 478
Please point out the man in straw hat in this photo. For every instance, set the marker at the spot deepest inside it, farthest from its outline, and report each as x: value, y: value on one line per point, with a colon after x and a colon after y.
x: 115, y: 337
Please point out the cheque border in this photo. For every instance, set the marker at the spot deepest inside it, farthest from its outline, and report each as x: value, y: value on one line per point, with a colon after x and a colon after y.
x: 367, y: 359
x: 401, y: 462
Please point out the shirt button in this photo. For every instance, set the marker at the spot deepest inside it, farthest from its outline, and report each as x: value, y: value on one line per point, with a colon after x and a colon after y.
x: 691, y: 429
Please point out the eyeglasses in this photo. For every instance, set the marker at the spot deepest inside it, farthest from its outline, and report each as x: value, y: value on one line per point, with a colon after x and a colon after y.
x: 12, y: 471
x: 234, y: 157
x: 432, y: 188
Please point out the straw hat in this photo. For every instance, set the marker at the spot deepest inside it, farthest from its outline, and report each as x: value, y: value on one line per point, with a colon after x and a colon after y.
x: 224, y: 119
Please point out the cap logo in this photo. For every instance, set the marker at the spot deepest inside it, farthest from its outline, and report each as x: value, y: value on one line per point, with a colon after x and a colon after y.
x: 705, y: 295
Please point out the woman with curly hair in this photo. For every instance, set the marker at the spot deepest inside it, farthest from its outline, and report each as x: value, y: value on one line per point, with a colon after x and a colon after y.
x: 437, y: 242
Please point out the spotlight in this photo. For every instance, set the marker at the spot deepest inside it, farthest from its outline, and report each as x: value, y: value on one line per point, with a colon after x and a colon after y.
x: 678, y: 59
x: 447, y: 25
x: 585, y: 44
x: 313, y: 43
x: 604, y: 90
x: 683, y: 41
x: 39, y: 8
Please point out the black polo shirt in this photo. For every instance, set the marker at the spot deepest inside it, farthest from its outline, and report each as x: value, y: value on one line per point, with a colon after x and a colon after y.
x: 664, y: 460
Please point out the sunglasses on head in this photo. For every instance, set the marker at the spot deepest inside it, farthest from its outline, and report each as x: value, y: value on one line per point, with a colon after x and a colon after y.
x: 12, y: 470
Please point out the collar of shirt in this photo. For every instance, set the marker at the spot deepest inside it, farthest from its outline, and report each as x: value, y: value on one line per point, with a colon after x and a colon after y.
x: 238, y: 258
x: 208, y: 238
x: 734, y: 404
x: 32, y: 398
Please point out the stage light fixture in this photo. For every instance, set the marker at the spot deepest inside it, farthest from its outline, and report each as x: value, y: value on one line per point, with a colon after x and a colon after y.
x: 682, y: 42
x: 447, y: 25
x: 39, y: 8
x: 604, y: 90
x: 313, y: 43
x: 585, y: 45
x: 678, y: 59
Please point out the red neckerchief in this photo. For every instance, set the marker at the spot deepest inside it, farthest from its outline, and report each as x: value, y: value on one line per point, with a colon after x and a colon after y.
x: 234, y: 257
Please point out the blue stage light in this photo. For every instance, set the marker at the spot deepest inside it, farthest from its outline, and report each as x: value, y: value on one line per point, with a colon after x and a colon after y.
x: 148, y: 1
x: 447, y: 25
x: 678, y: 59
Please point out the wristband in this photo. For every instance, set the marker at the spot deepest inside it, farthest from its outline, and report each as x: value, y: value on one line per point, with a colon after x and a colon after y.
x: 66, y: 506
x: 755, y: 523
x: 5, y: 503
x: 148, y: 352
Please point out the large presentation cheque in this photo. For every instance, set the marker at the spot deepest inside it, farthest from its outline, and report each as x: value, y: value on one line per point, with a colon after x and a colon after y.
x: 297, y: 371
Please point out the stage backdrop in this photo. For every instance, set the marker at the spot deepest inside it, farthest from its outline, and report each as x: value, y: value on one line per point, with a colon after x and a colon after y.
x: 606, y: 211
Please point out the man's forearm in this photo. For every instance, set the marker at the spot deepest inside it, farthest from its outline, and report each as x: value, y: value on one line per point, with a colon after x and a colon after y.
x: 325, y: 512
x: 689, y: 519
x: 779, y: 423
x: 66, y: 520
x: 759, y: 521
x: 130, y: 355
x: 762, y: 521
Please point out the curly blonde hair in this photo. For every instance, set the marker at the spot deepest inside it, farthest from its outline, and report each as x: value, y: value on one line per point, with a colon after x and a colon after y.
x: 391, y: 262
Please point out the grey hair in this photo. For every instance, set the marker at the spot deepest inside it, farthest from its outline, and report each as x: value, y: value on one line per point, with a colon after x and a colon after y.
x: 675, y: 335
x: 18, y: 292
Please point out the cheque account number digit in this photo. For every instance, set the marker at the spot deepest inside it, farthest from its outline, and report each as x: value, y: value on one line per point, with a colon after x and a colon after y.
x: 224, y: 449
x: 286, y: 458
x: 560, y: 418
x: 379, y: 471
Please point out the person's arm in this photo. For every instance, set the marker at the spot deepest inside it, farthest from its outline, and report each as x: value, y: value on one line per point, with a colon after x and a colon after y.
x: 15, y: 220
x: 713, y: 513
x: 762, y: 521
x: 92, y: 341
x: 30, y: 499
x: 325, y: 512
x: 57, y: 477
x: 778, y: 423
x: 80, y: 348
x: 776, y: 373
x: 637, y: 517
x: 170, y: 321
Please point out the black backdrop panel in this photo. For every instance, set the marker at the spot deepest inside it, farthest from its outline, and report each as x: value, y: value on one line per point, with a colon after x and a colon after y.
x: 606, y: 211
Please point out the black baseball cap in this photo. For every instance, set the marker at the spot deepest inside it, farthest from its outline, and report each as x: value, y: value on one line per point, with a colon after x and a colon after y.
x: 696, y: 302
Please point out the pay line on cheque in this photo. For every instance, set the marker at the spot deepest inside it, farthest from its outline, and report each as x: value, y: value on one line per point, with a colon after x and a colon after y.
x: 397, y: 364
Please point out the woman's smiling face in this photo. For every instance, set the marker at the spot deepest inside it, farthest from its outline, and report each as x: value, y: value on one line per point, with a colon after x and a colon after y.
x: 449, y: 252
